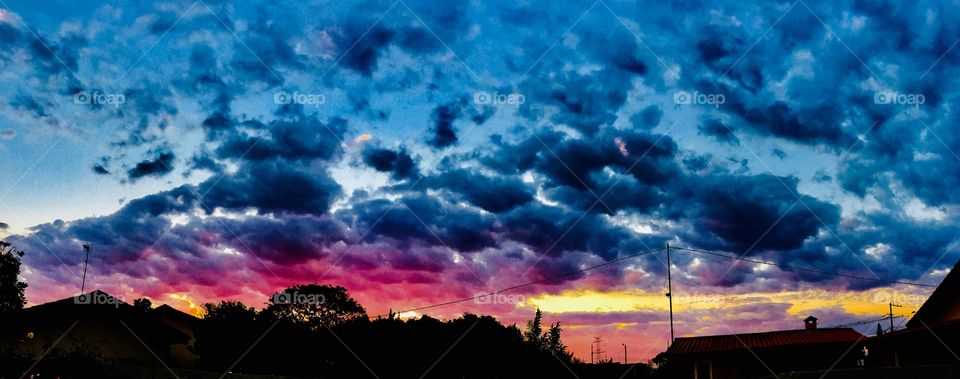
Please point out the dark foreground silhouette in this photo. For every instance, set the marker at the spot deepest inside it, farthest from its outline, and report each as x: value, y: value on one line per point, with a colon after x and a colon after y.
x: 295, y: 335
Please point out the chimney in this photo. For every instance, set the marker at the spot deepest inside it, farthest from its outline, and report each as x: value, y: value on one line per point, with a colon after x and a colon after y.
x: 810, y: 323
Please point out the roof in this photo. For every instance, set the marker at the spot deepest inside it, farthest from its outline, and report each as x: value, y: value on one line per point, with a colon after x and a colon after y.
x: 733, y: 342
x: 96, y: 306
x: 168, y: 312
x: 951, y: 326
x: 943, y: 304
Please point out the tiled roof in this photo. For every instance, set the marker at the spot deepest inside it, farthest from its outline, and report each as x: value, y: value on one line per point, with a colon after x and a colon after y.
x: 731, y: 342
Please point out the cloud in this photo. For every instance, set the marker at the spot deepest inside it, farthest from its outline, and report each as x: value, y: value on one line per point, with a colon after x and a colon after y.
x: 717, y: 129
x: 444, y: 134
x: 584, y: 171
x: 399, y: 164
x: 493, y: 194
x: 159, y: 166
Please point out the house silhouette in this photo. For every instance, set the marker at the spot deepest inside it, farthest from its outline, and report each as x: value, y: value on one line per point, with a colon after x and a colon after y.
x: 97, y: 324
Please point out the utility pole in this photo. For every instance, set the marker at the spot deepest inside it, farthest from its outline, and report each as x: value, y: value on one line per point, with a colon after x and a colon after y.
x: 891, y: 314
x: 86, y: 250
x: 670, y: 292
x: 624, y: 353
x: 591, y: 353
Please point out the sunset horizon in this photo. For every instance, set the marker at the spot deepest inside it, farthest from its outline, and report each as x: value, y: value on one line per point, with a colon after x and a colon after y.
x: 788, y: 159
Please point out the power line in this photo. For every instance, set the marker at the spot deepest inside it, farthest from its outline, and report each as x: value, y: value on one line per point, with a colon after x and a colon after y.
x: 805, y: 269
x: 533, y: 282
x: 865, y: 322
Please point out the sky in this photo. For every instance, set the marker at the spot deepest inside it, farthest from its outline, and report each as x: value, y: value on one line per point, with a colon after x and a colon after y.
x: 418, y: 152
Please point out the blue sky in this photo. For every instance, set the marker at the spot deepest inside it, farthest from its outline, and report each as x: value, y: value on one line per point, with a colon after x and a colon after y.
x: 807, y: 133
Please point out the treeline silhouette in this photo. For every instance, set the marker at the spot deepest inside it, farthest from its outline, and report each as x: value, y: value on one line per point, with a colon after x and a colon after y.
x: 310, y: 330
x: 334, y: 338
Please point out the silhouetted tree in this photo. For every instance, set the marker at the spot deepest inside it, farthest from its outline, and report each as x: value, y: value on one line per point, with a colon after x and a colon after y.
x: 142, y: 304
x: 315, y: 305
x: 11, y: 288
x: 534, y: 333
x: 548, y: 341
x: 281, y: 340
x: 879, y: 330
x: 227, y: 329
x: 555, y: 344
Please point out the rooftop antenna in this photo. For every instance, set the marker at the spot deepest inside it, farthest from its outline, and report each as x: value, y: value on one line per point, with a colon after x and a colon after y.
x: 86, y: 250
x: 670, y: 292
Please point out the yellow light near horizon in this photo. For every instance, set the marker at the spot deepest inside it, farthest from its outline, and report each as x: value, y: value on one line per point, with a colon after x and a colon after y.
x: 593, y: 301
x: 869, y: 302
x: 192, y: 307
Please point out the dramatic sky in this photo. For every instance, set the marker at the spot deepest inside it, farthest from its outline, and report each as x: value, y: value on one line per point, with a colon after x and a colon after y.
x: 416, y: 152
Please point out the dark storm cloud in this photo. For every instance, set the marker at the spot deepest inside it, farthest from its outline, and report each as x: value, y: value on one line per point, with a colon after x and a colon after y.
x: 295, y: 137
x: 541, y: 227
x: 443, y: 132
x: 425, y: 221
x: 160, y: 165
x: 271, y: 186
x: 493, y: 194
x: 399, y: 164
x: 535, y: 186
x: 762, y: 212
x: 717, y: 129
x: 648, y: 118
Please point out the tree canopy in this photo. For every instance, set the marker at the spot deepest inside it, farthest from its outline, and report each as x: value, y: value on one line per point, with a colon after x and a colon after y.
x: 315, y: 305
x: 11, y: 288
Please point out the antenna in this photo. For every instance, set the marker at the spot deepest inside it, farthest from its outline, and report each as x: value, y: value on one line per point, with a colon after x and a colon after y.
x: 86, y: 250
x: 670, y: 292
x: 598, y: 351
